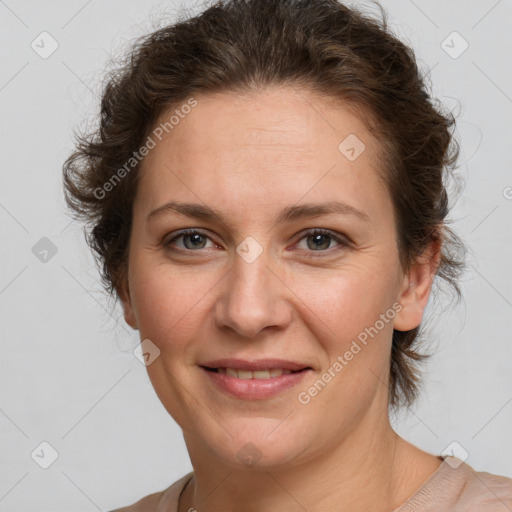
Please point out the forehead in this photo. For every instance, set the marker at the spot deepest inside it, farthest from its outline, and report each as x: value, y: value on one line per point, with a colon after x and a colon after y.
x: 284, y: 141
x: 272, y: 119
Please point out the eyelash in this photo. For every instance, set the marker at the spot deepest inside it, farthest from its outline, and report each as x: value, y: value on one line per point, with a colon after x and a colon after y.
x: 306, y: 234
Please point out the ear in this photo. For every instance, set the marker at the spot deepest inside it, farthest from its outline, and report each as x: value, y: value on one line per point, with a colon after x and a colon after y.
x: 416, y: 287
x: 126, y: 302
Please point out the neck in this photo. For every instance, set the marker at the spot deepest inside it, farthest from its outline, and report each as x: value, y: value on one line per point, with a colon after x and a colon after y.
x: 363, y: 472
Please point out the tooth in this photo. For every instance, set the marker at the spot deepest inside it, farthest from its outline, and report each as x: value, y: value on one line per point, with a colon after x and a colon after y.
x: 258, y: 374
x: 244, y: 374
x: 261, y: 374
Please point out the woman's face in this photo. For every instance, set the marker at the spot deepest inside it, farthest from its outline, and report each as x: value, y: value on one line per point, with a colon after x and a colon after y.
x: 253, y: 283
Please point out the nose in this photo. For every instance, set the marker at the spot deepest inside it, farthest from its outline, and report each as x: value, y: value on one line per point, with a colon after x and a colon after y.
x: 253, y: 298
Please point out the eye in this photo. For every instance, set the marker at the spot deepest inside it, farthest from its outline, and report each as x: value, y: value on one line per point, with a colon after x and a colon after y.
x: 192, y: 239
x: 319, y: 240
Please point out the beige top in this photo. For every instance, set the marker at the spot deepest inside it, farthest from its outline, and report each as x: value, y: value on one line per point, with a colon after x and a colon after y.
x: 453, y: 487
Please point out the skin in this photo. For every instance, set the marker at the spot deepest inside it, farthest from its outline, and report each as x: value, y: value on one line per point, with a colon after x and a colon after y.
x: 249, y: 156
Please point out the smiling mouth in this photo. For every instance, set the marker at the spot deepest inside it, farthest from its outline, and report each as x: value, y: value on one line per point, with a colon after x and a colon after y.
x: 255, y: 384
x: 256, y: 374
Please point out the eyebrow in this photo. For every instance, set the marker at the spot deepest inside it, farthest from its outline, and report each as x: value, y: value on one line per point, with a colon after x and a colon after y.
x: 288, y: 214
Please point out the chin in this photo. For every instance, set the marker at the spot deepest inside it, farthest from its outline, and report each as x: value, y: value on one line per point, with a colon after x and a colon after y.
x: 257, y: 447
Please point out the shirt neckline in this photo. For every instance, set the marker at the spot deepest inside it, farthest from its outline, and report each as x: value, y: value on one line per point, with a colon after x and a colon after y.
x: 171, y: 496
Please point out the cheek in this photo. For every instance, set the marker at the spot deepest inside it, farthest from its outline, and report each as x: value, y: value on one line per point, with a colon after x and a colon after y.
x: 343, y: 312
x: 345, y: 301
x: 168, y: 302
x: 344, y: 316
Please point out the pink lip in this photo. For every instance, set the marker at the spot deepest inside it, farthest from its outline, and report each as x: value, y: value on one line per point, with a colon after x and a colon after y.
x: 260, y: 364
x: 254, y: 389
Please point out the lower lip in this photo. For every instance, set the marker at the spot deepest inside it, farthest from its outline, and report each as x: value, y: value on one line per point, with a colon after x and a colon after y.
x: 255, y: 389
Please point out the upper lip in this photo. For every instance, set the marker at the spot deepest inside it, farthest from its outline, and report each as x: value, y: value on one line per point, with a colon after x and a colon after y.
x: 260, y: 364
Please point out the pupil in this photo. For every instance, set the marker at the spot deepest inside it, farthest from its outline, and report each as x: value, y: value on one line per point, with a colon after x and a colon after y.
x: 195, y: 238
x: 317, y: 238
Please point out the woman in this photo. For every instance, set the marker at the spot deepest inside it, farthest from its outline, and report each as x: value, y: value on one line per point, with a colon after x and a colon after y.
x: 267, y: 199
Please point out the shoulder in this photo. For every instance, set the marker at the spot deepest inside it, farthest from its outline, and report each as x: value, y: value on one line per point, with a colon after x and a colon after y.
x: 147, y: 504
x: 159, y: 501
x: 458, y: 487
x: 483, y: 491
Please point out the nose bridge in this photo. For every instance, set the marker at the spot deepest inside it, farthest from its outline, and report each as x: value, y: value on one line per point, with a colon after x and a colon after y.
x: 252, y: 298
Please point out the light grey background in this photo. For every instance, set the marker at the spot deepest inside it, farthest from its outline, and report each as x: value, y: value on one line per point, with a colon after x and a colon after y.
x: 68, y: 376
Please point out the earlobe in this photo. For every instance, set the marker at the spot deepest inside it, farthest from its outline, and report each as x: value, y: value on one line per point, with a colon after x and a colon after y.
x: 416, y: 287
x: 126, y: 302
x: 129, y: 316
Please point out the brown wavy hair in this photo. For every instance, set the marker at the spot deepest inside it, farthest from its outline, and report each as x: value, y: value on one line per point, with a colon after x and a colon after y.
x: 244, y: 46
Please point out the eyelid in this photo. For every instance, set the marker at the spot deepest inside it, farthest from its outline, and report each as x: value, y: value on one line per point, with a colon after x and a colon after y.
x: 342, y: 240
x: 185, y: 232
x: 324, y: 231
